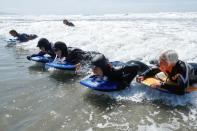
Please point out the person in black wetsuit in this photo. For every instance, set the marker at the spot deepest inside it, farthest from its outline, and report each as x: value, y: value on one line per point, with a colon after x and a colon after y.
x: 123, y: 75
x: 66, y: 22
x: 180, y: 74
x: 22, y: 37
x: 45, y: 48
x: 72, y: 55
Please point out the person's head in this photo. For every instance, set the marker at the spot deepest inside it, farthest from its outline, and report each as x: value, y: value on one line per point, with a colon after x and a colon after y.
x: 99, y: 65
x: 60, y: 49
x: 13, y: 33
x: 167, y: 60
x: 44, y: 45
x: 65, y: 21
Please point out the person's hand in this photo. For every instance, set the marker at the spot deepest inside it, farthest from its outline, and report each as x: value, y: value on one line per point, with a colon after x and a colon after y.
x: 28, y: 57
x: 140, y: 79
x: 78, y: 66
x: 157, y: 85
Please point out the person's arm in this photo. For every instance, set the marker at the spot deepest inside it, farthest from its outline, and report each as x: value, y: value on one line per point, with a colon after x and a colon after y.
x: 151, y: 72
x: 39, y: 54
x: 51, y: 53
x: 78, y: 66
x: 148, y: 73
x: 129, y: 72
x: 34, y: 55
x: 178, y: 87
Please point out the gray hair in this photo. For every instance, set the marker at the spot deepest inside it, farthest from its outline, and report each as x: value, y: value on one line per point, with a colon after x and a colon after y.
x: 170, y: 56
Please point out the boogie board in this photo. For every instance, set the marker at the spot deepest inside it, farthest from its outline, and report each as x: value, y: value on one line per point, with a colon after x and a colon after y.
x: 41, y: 59
x: 61, y: 66
x: 100, y: 83
x: 12, y: 42
x: 152, y: 80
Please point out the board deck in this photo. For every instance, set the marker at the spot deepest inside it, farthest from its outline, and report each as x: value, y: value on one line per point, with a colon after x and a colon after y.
x: 150, y: 81
x: 64, y: 66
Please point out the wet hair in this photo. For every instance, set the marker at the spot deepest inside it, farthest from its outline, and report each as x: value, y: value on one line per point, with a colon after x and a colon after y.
x: 61, y: 46
x: 170, y: 56
x: 100, y: 61
x: 43, y: 42
x: 65, y: 21
x: 13, y: 32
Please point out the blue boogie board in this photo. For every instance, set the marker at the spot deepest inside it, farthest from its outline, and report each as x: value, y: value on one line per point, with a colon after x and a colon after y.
x: 98, y: 83
x: 61, y: 66
x: 41, y: 59
x: 12, y: 42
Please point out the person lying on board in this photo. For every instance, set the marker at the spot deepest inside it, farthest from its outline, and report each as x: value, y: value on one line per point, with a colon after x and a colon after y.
x: 72, y: 55
x: 45, y: 48
x: 66, y: 22
x: 22, y: 37
x: 180, y: 75
x: 124, y: 75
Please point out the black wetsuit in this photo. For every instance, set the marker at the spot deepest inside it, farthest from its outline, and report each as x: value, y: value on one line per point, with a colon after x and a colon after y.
x: 41, y: 53
x: 25, y: 37
x: 76, y: 55
x: 182, y: 75
x: 70, y: 24
x: 122, y: 76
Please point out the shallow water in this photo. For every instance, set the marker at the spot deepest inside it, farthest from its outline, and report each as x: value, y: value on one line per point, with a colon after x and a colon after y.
x: 36, y: 99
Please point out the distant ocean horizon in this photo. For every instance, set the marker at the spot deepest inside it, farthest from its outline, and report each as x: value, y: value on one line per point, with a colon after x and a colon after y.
x: 89, y: 14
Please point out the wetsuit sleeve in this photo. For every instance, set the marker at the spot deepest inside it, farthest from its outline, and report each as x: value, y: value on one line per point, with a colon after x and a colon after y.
x: 126, y: 75
x: 178, y: 87
x: 151, y: 72
x: 39, y: 54
x: 52, y: 54
x: 129, y: 72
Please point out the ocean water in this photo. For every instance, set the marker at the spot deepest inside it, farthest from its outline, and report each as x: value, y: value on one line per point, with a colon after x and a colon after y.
x: 32, y: 98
